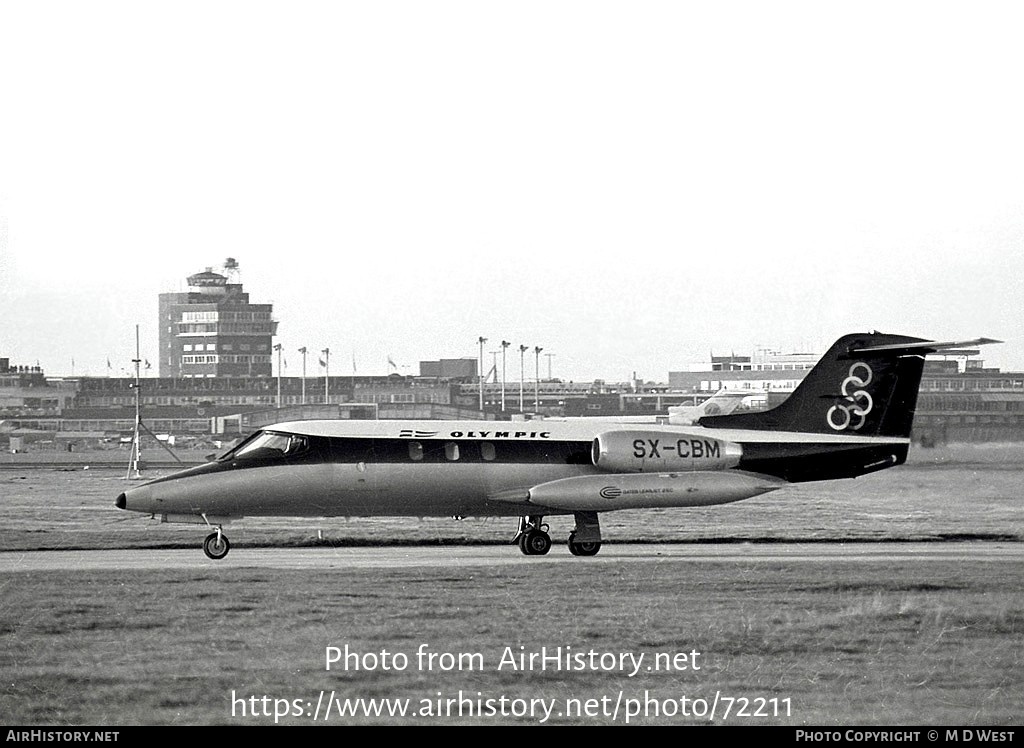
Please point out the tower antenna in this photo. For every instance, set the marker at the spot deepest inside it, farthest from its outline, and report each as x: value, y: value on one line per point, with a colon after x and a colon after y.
x: 232, y: 270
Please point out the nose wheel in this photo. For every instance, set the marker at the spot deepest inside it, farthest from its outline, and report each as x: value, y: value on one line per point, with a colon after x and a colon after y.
x: 216, y: 545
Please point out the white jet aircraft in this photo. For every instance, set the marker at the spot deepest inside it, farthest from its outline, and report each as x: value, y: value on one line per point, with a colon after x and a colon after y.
x: 851, y: 415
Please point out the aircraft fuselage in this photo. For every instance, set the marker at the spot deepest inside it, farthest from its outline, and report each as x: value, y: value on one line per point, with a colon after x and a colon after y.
x: 381, y: 468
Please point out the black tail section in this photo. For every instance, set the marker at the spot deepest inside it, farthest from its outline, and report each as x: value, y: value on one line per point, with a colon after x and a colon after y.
x: 866, y: 384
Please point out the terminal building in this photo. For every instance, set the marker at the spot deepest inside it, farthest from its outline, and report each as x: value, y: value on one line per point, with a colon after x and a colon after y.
x: 212, y: 330
x: 25, y: 390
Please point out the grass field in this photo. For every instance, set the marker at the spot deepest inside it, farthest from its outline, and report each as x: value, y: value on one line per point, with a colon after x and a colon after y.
x: 847, y: 642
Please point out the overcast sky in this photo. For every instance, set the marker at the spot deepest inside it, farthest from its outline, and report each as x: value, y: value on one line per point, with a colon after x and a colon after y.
x: 629, y: 185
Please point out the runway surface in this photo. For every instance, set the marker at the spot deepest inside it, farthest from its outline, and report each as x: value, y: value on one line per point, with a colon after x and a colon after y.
x: 491, y: 556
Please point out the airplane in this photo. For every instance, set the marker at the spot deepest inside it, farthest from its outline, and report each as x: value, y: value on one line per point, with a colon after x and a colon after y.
x: 851, y: 415
x: 722, y: 402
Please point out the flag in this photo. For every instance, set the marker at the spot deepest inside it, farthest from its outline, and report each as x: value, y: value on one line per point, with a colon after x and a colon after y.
x: 391, y: 363
x: 322, y: 364
x: 353, y: 362
x: 108, y: 363
x: 147, y: 364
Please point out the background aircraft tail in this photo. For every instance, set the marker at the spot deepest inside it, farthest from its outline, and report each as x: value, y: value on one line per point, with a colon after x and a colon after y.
x: 865, y: 385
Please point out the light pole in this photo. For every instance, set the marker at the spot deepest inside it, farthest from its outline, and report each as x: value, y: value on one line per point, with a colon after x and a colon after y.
x: 549, y: 357
x: 504, y: 346
x: 136, y: 458
x: 522, y: 354
x: 278, y: 348
x: 327, y: 374
x: 302, y: 350
x: 481, y: 341
x: 536, y: 379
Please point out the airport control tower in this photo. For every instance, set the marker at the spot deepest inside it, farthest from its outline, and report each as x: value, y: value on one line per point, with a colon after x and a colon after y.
x: 213, y: 331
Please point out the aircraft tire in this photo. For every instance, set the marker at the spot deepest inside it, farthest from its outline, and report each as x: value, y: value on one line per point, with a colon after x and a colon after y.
x: 216, y: 550
x: 583, y: 549
x: 535, y: 543
x: 522, y: 545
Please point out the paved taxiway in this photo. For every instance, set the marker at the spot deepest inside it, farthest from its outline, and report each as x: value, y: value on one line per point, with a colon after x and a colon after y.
x: 467, y: 556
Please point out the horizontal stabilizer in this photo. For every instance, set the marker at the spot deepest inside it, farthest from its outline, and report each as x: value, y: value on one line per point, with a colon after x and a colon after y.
x: 924, y: 346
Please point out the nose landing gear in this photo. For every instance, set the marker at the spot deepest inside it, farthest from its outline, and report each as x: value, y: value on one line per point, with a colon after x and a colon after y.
x: 216, y: 545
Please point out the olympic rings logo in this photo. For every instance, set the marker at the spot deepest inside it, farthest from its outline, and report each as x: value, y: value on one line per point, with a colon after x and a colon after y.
x: 858, y: 403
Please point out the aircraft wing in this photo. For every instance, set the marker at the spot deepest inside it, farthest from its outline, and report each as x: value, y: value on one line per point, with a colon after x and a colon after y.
x: 597, y: 493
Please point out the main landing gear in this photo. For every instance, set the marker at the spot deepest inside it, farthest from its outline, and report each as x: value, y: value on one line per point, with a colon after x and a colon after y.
x: 532, y: 536
x: 584, y: 540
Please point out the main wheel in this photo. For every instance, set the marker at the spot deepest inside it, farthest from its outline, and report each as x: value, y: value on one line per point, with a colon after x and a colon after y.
x: 216, y: 546
x: 535, y: 543
x: 583, y: 549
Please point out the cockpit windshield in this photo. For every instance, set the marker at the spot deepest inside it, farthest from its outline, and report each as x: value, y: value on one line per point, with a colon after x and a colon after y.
x: 264, y: 444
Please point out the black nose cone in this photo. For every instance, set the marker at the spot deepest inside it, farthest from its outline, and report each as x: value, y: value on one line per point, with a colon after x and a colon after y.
x: 121, y: 502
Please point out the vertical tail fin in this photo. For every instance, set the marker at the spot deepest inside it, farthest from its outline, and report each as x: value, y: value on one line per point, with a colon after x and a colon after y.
x: 866, y: 384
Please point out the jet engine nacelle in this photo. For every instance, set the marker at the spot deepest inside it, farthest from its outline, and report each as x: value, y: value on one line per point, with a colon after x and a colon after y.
x: 661, y: 451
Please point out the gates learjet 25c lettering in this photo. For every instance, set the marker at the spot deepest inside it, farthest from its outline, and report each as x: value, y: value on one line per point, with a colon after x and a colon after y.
x: 850, y: 415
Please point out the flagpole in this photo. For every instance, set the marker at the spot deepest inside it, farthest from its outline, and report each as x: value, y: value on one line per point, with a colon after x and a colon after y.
x: 327, y: 375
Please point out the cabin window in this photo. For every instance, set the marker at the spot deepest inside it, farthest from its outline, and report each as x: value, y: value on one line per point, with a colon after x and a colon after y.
x: 451, y: 451
x: 415, y: 451
x: 487, y: 451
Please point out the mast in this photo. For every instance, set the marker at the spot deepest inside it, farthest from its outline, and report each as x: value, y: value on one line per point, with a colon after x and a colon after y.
x: 136, y: 456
